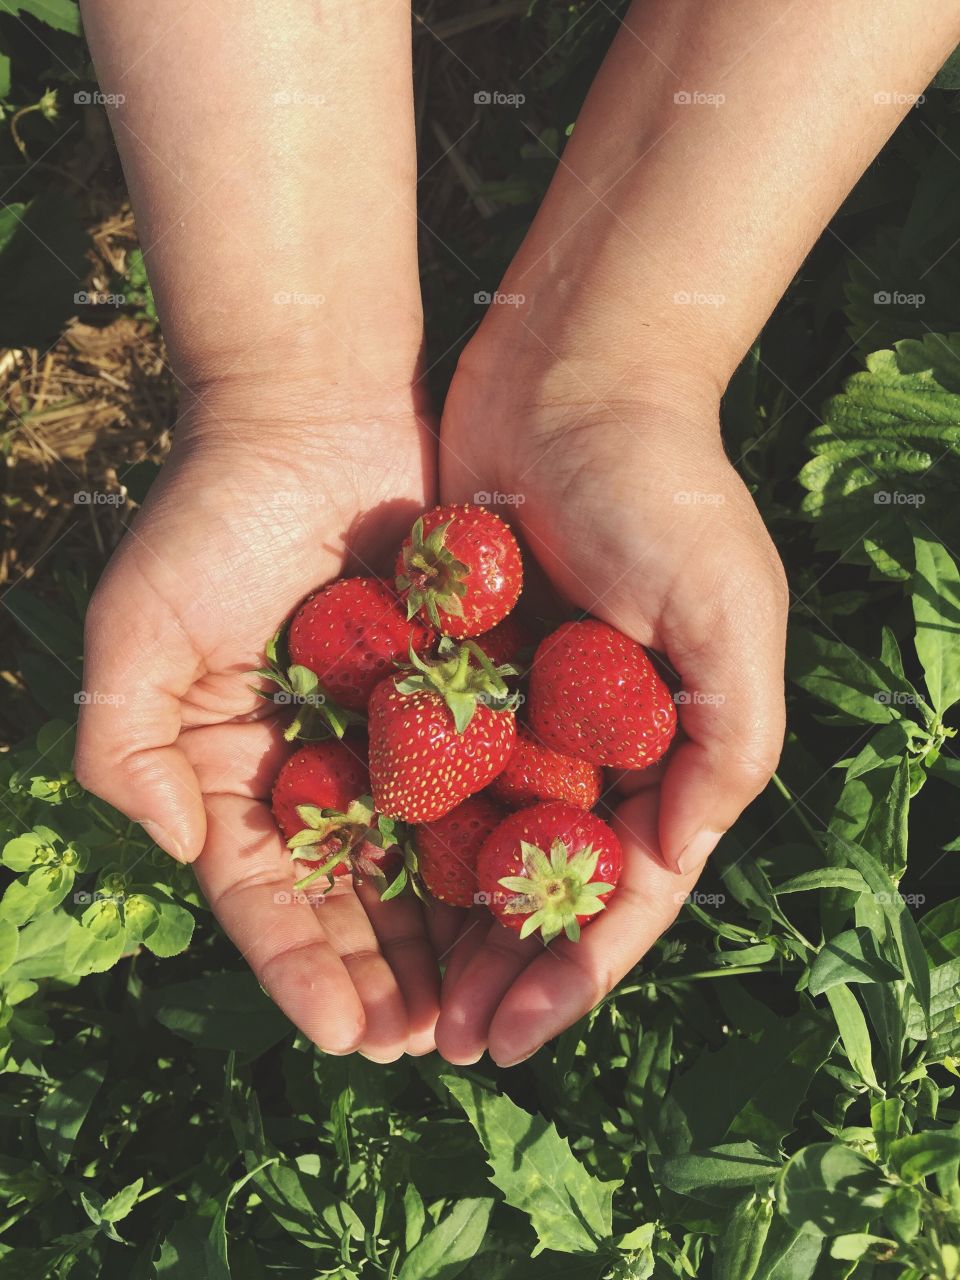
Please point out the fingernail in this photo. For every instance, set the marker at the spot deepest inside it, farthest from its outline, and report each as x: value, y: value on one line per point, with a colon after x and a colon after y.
x: 164, y: 839
x: 515, y: 1062
x: 697, y: 851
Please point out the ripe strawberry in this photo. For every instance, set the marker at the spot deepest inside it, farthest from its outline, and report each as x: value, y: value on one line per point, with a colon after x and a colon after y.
x: 350, y: 634
x: 439, y: 733
x: 535, y: 772
x: 460, y: 569
x: 321, y: 803
x: 594, y: 693
x: 549, y: 868
x: 509, y: 641
x: 447, y: 849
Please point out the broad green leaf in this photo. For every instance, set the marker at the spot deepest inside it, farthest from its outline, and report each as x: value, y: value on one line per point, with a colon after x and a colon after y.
x: 9, y: 944
x: 884, y: 748
x: 920, y: 1154
x: 940, y: 931
x: 789, y: 1254
x: 569, y: 1209
x: 901, y: 1213
x: 942, y: 1032
x: 63, y: 1111
x: 831, y: 1188
x: 851, y: 956
x: 741, y: 1246
x: 824, y: 878
x: 444, y: 1252
x: 851, y: 1247
x: 172, y: 931
x: 862, y: 689
x: 885, y: 1117
x: 936, y: 610
x: 63, y: 15
x: 700, y: 1173
x: 854, y: 1035
x: 222, y: 1011
x: 86, y: 951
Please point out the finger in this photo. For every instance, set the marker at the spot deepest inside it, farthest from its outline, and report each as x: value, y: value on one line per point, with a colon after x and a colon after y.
x: 619, y: 784
x: 402, y: 934
x: 732, y: 711
x: 569, y: 978
x: 443, y: 925
x: 247, y: 877
x: 138, y: 665
x: 467, y: 1009
x: 350, y: 933
x: 236, y: 759
x: 474, y: 927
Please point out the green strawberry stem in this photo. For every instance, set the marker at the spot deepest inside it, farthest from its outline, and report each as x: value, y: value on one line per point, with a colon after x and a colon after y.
x: 555, y: 890
x: 463, y: 676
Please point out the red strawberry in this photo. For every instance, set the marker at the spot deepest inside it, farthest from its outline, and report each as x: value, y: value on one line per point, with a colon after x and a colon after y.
x: 460, y: 569
x: 439, y: 733
x: 535, y: 772
x: 447, y: 849
x: 350, y: 634
x: 549, y: 869
x: 509, y: 641
x: 321, y: 803
x: 594, y: 693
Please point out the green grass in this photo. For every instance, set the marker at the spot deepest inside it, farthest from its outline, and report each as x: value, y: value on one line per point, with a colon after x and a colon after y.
x: 770, y: 1095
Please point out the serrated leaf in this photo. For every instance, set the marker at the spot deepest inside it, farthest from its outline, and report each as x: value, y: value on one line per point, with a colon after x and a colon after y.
x: 117, y: 1207
x: 570, y: 1210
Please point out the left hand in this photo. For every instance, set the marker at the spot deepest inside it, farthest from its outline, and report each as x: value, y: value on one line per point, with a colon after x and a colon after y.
x: 634, y: 514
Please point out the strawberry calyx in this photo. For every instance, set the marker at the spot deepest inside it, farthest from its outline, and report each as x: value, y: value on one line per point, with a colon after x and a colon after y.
x: 433, y: 579
x: 463, y: 676
x: 316, y: 716
x: 554, y: 891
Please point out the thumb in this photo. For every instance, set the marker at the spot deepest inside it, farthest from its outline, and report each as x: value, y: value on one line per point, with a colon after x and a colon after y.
x: 139, y: 663
x: 731, y: 709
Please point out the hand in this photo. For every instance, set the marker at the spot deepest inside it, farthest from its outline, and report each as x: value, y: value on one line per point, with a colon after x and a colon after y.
x: 248, y: 515
x: 630, y: 507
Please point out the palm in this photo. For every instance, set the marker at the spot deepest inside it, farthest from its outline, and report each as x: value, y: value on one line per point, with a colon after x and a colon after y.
x: 230, y: 542
x: 624, y: 526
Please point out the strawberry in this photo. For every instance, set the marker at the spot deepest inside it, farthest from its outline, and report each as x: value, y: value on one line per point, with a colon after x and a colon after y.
x: 594, y: 693
x: 350, y: 634
x: 439, y: 732
x: 509, y: 641
x: 321, y: 803
x: 535, y: 772
x: 447, y: 849
x: 549, y: 869
x: 460, y: 569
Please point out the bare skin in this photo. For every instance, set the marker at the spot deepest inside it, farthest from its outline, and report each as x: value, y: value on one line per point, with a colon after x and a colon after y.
x: 674, y: 223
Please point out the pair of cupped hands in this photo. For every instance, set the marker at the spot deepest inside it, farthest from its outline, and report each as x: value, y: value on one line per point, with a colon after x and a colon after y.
x: 628, y: 508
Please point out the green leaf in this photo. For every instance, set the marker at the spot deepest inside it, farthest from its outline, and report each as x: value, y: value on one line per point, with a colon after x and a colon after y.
x: 62, y: 15
x: 940, y: 931
x: 173, y: 929
x: 222, y: 1011
x: 9, y: 944
x: 885, y: 747
x: 699, y: 1173
x: 941, y: 1030
x: 851, y: 956
x: 863, y: 689
x: 117, y: 1207
x: 824, y: 878
x: 63, y: 1111
x: 570, y: 1210
x: 885, y: 1117
x: 831, y: 1188
x: 918, y: 1155
x: 444, y: 1252
x: 741, y: 1246
x: 936, y: 610
x: 854, y: 1034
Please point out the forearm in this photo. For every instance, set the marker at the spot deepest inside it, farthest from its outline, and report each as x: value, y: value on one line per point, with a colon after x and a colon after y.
x: 270, y: 158
x: 715, y: 144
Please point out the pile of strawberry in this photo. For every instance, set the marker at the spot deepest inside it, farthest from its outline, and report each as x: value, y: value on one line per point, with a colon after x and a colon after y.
x: 417, y: 773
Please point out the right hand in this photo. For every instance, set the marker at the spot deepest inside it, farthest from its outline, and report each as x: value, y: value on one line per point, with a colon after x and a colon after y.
x: 246, y: 518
